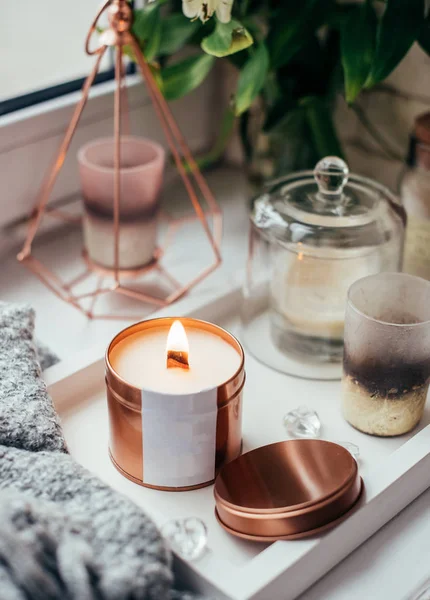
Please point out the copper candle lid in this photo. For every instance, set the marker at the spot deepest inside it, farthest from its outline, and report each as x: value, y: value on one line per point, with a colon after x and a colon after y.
x: 286, y: 490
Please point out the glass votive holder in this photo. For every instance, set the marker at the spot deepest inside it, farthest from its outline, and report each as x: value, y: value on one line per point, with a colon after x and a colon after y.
x: 141, y: 177
x: 386, y: 366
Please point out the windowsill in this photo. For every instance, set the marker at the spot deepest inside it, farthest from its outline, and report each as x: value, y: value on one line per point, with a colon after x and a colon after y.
x: 67, y: 100
x: 66, y: 330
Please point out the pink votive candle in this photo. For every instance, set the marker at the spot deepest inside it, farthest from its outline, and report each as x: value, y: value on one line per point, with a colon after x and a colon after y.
x: 141, y: 177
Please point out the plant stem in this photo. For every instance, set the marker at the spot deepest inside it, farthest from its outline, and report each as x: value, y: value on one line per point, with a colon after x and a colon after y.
x: 243, y: 130
x: 320, y: 122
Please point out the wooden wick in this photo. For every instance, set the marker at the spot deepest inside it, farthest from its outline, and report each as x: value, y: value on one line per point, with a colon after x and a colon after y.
x: 177, y: 359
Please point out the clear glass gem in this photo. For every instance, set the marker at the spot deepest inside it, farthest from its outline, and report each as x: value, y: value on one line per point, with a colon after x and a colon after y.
x: 352, y: 448
x: 188, y: 537
x: 302, y: 422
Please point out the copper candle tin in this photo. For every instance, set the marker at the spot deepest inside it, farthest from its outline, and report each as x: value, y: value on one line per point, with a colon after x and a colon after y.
x: 286, y: 490
x: 125, y: 404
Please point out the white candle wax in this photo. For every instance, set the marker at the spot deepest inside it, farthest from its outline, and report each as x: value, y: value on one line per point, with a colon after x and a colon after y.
x: 140, y: 359
x: 137, y: 241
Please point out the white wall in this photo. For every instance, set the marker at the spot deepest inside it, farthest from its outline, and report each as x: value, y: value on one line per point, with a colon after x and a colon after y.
x: 42, y: 43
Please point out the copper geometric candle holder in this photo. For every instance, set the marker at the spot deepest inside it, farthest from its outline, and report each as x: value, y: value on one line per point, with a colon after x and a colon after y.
x: 119, y: 35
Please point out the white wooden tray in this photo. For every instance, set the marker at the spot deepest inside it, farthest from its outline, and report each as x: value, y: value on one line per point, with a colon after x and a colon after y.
x: 395, y: 470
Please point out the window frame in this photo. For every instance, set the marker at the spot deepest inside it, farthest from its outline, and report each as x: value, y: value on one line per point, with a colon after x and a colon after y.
x: 17, y: 103
x: 22, y: 101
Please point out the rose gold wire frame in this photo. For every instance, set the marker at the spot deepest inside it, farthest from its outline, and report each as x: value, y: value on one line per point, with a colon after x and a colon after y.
x: 118, y: 35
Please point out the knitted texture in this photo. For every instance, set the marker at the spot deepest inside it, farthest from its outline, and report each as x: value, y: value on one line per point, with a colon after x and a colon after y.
x: 46, y: 357
x: 126, y: 552
x: 27, y: 415
x: 63, y: 533
x: 42, y: 554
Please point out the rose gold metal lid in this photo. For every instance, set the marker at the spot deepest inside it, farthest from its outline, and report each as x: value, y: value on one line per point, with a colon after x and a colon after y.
x: 286, y: 490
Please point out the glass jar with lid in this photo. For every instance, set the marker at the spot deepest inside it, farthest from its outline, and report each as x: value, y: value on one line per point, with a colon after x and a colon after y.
x: 313, y: 233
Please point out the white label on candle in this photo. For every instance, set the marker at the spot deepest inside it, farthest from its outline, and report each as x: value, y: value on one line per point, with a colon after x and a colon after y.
x: 179, y: 438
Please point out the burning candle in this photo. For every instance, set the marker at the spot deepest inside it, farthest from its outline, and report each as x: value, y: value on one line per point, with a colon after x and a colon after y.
x: 174, y: 397
x: 177, y: 350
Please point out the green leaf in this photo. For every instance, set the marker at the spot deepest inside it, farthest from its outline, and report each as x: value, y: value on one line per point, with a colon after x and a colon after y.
x: 182, y: 77
x: 251, y: 79
x: 357, y: 42
x: 279, y: 113
x: 340, y: 13
x: 176, y: 30
x: 147, y: 29
x: 293, y: 144
x: 292, y: 25
x: 397, y: 31
x: 226, y: 39
x: 320, y: 121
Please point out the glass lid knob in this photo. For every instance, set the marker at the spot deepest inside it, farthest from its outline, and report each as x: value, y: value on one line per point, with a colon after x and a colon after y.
x: 331, y: 174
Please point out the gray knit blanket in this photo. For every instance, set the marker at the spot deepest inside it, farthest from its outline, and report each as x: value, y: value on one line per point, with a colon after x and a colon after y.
x: 63, y: 533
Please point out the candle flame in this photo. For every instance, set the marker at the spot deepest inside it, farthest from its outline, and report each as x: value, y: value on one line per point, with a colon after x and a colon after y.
x: 177, y: 347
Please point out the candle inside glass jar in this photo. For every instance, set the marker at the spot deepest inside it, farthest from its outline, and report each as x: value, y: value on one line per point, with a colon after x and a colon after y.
x: 141, y: 360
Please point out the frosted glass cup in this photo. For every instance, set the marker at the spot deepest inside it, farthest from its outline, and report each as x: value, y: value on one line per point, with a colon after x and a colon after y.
x: 142, y: 167
x: 386, y: 366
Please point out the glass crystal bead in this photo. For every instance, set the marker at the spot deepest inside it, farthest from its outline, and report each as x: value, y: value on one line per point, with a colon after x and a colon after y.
x: 352, y: 448
x: 302, y: 422
x: 188, y: 537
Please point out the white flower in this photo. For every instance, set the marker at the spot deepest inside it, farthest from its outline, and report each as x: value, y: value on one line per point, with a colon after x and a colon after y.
x: 204, y: 9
